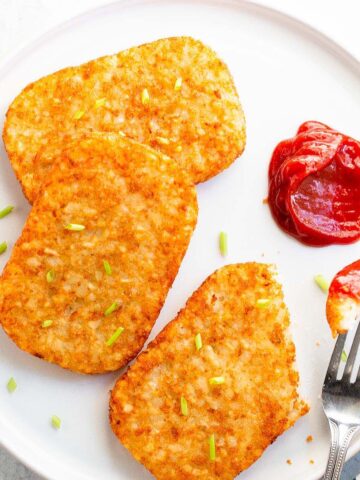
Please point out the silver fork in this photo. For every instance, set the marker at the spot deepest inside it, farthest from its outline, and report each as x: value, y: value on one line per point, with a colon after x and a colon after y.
x: 341, y: 402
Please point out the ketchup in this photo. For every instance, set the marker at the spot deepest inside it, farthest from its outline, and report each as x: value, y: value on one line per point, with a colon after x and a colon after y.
x: 347, y: 282
x: 314, y: 186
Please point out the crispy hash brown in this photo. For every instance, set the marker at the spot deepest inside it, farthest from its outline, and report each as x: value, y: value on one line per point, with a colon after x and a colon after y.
x: 217, y: 386
x: 173, y: 94
x: 99, y: 251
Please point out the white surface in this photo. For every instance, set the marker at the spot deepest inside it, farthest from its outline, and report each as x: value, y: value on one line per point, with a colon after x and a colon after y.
x: 284, y: 77
x: 22, y: 19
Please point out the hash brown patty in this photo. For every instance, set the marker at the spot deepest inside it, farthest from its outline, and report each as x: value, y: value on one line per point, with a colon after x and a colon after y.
x: 239, y: 388
x: 87, y: 297
x: 173, y: 94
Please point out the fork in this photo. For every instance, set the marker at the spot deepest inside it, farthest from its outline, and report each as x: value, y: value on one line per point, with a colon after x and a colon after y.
x: 341, y: 403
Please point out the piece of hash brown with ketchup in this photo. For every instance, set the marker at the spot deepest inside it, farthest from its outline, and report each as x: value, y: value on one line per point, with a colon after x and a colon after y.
x: 343, y: 302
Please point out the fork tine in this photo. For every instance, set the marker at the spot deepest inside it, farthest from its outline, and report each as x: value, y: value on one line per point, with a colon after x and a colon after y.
x: 357, y: 379
x: 335, y: 359
x: 352, y: 355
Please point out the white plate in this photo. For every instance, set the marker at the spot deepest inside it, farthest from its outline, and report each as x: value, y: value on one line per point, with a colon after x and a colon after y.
x: 286, y: 73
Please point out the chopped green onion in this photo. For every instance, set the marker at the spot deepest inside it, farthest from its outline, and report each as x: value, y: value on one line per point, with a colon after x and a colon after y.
x: 344, y: 356
x: 11, y: 385
x: 3, y: 247
x: 114, y: 336
x: 322, y: 283
x: 184, y: 406
x: 50, y: 276
x: 216, y: 380
x: 47, y: 323
x: 223, y: 243
x: 107, y: 267
x: 56, y: 422
x: 198, y: 341
x: 78, y: 114
x: 163, y: 140
x: 145, y: 97
x: 5, y: 211
x: 212, y: 448
x: 262, y: 302
x: 100, y: 102
x: 114, y: 306
x: 75, y: 227
x: 178, y: 84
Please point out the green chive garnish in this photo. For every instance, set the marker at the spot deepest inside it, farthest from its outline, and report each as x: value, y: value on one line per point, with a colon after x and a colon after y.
x: 223, y: 243
x: 114, y: 336
x: 212, y: 448
x: 56, y: 422
x: 262, y: 302
x: 322, y: 283
x: 344, y: 356
x: 107, y: 267
x: 5, y: 211
x: 11, y: 385
x: 50, y: 276
x: 76, y: 227
x: 47, y: 323
x: 114, y: 306
x: 216, y: 380
x: 145, y: 97
x: 184, y: 406
x: 178, y: 83
x: 198, y: 341
x: 3, y: 247
x: 78, y: 114
x: 100, y: 102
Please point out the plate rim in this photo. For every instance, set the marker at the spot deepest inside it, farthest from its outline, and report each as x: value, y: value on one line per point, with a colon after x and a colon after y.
x: 315, y: 34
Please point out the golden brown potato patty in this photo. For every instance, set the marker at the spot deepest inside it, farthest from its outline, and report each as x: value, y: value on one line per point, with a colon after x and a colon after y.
x: 173, y: 94
x: 191, y: 409
x: 99, y: 251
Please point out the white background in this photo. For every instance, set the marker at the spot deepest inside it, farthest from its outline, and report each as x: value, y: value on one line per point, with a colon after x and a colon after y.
x: 21, y: 20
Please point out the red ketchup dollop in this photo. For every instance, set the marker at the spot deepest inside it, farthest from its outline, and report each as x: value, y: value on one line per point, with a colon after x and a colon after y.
x: 314, y: 185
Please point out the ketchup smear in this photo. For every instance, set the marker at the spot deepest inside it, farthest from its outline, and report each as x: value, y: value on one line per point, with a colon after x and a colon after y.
x: 347, y: 282
x: 314, y: 185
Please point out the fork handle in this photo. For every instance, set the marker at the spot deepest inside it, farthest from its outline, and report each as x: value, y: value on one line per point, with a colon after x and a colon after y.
x: 341, y: 436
